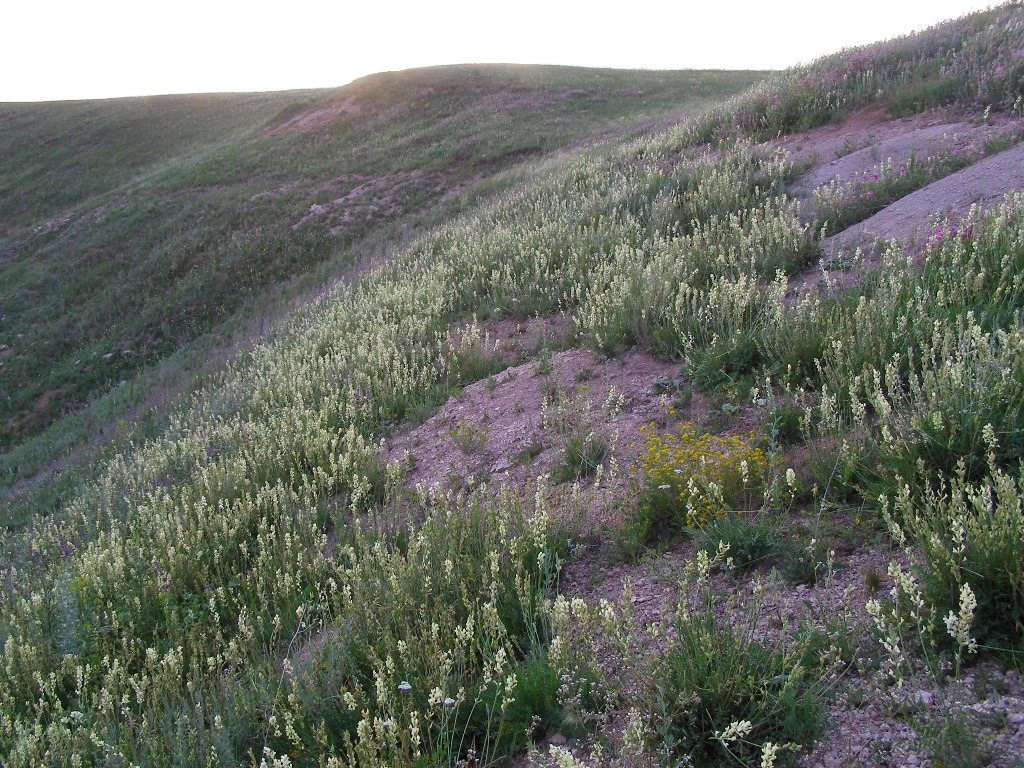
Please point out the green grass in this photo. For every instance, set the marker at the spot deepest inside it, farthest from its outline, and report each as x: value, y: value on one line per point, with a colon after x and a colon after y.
x: 55, y: 156
x: 720, y: 690
x: 753, y: 538
x: 582, y: 455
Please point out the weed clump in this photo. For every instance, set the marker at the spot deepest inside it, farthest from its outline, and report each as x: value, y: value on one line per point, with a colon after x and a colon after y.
x: 570, y: 415
x: 467, y: 438
x: 751, y: 539
x: 690, y: 478
x: 720, y: 695
x: 582, y: 455
x: 968, y: 534
x: 805, y: 559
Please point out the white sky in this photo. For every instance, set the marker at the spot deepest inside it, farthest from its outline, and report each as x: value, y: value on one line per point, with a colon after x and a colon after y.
x: 75, y: 49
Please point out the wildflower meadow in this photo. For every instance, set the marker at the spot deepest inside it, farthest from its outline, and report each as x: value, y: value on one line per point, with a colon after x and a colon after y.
x: 257, y: 586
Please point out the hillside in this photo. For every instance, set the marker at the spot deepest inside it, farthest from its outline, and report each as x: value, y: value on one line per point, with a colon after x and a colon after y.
x: 700, y: 444
x: 130, y: 227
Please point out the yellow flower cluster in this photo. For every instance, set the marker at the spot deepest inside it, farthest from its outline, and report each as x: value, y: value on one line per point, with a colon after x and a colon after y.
x: 705, y: 474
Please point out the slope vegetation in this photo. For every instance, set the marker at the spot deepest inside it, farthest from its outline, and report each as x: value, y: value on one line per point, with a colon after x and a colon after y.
x: 259, y: 585
x: 130, y: 227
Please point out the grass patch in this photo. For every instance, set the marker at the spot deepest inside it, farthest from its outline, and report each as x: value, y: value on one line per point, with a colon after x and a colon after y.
x: 717, y: 694
x: 753, y: 538
x: 581, y: 456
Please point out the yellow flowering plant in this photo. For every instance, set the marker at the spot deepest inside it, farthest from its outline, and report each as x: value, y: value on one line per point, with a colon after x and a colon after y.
x: 689, y: 477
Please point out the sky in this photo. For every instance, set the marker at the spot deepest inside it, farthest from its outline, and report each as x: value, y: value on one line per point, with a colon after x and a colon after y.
x: 86, y: 49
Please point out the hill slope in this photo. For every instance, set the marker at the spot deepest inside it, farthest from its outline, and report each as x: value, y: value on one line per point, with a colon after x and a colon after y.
x: 259, y: 584
x: 129, y: 227
x: 56, y: 156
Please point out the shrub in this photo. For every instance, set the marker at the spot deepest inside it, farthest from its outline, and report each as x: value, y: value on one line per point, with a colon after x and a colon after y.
x: 718, y: 693
x: 723, y: 324
x: 968, y: 382
x: 751, y: 539
x: 783, y: 425
x: 690, y: 478
x: 969, y: 533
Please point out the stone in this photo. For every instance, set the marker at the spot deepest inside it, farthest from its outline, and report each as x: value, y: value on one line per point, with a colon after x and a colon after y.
x: 923, y: 697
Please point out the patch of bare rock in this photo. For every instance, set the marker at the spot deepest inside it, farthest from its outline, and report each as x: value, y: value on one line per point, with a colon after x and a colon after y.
x: 981, y: 184
x: 866, y: 138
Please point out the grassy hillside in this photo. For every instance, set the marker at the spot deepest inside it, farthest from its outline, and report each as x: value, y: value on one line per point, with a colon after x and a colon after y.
x: 56, y: 156
x: 253, y: 586
x: 130, y: 227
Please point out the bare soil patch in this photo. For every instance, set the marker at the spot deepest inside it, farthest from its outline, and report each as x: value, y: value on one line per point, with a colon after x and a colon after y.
x: 870, y: 720
x: 316, y: 119
x: 507, y: 412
